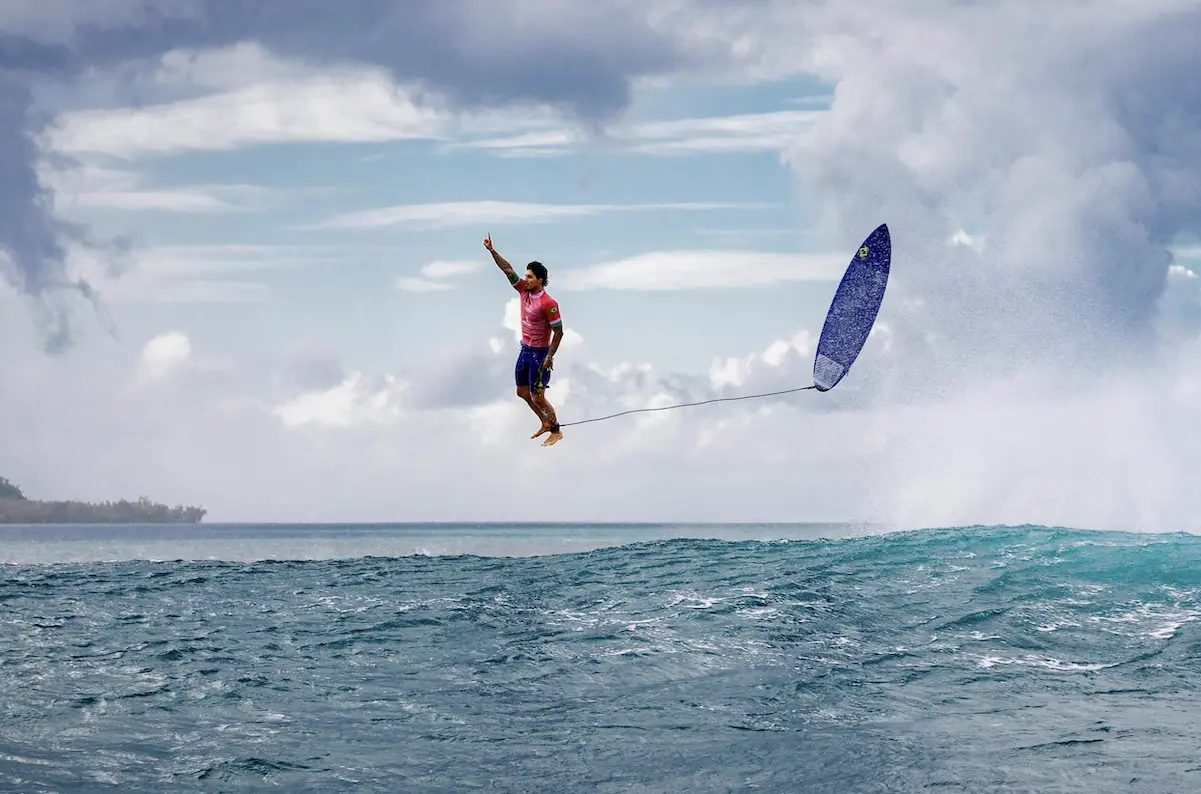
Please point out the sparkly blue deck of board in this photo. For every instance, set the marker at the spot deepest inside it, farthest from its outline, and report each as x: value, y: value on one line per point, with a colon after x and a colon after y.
x: 853, y: 310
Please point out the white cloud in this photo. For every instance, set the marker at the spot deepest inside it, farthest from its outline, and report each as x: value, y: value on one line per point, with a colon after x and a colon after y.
x: 961, y: 237
x: 354, y: 401
x: 361, y: 105
x: 435, y: 273
x: 164, y: 353
x: 89, y: 186
x: 676, y: 270
x: 421, y: 285
x: 512, y: 317
x: 214, y: 273
x: 537, y: 141
x: 747, y: 132
x: 191, y: 291
x: 165, y: 200
x: 747, y: 233
x: 238, y: 65
x: 188, y: 260
x: 475, y: 213
x: 243, y: 94
x: 170, y: 359
x: 1187, y: 251
x: 783, y: 364
x: 449, y: 268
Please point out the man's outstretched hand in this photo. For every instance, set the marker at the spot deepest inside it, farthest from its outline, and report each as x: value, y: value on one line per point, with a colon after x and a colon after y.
x: 488, y: 242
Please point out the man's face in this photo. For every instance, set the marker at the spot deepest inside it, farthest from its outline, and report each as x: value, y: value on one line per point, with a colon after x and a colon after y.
x: 532, y: 284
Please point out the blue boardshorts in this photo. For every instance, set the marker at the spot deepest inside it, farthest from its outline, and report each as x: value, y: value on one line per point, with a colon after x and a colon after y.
x: 529, y: 371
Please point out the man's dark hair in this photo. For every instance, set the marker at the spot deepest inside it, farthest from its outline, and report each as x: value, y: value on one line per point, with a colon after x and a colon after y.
x: 539, y: 272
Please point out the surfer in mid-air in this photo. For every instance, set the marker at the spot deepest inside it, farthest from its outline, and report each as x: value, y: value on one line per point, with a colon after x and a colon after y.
x: 541, y: 333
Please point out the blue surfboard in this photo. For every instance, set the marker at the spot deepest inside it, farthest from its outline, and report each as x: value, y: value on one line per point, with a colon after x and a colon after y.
x: 853, y: 310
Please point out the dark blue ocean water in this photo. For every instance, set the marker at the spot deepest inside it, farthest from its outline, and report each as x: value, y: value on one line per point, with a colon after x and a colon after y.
x: 598, y: 659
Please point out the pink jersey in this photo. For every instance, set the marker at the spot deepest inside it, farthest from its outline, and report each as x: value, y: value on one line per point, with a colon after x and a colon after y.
x: 539, y: 313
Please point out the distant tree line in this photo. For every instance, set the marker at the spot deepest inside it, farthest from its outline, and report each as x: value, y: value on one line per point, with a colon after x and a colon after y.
x: 15, y: 508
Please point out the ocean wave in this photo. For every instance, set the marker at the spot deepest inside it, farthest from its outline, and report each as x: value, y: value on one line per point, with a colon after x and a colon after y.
x: 973, y: 658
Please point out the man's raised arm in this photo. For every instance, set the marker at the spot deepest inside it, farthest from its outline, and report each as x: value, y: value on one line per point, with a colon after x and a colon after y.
x: 505, y: 267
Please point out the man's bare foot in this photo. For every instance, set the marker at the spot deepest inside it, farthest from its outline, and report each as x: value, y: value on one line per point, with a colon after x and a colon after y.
x: 541, y: 430
x: 553, y: 438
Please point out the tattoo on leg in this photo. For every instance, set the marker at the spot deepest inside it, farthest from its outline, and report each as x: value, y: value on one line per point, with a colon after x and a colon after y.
x: 547, y: 410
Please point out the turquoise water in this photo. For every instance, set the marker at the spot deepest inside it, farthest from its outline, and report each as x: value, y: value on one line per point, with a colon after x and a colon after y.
x: 598, y: 658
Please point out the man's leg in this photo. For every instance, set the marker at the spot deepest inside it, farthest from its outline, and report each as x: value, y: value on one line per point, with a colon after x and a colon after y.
x: 530, y: 377
x: 538, y: 396
x: 524, y: 393
x: 523, y: 374
x: 543, y: 406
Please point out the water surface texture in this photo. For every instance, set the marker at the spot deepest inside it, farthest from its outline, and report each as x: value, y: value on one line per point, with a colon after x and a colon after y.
x: 598, y: 659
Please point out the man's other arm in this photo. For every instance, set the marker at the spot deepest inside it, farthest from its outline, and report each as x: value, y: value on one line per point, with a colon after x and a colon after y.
x: 556, y: 328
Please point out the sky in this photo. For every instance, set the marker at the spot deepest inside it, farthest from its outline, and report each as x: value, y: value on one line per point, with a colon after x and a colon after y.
x: 242, y: 262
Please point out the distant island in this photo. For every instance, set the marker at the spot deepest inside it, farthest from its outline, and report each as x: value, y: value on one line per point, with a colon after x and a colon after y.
x: 16, y: 509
